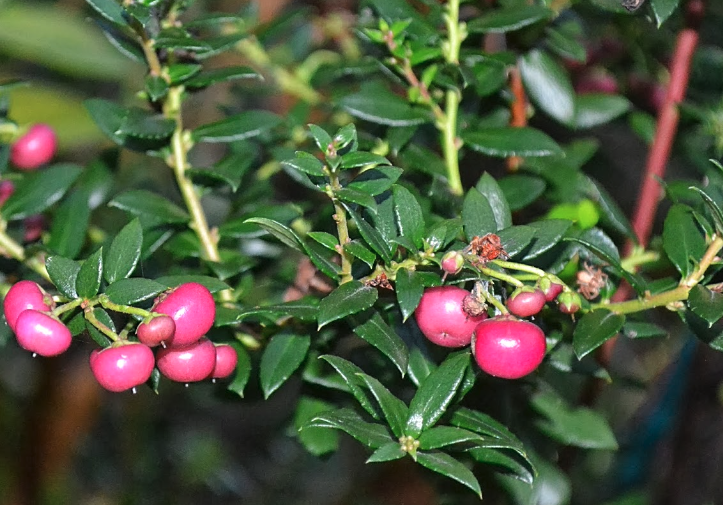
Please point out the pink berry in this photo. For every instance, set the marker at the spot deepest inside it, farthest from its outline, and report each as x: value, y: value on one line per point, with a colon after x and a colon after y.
x: 452, y: 262
x: 596, y: 82
x: 569, y: 302
x: 226, y: 361
x: 190, y: 363
x: 7, y: 188
x: 41, y: 333
x: 34, y: 227
x: 550, y: 287
x: 526, y: 301
x: 192, y: 309
x: 119, y: 368
x: 35, y: 148
x: 157, y: 330
x: 22, y: 296
x: 442, y: 319
x: 508, y: 348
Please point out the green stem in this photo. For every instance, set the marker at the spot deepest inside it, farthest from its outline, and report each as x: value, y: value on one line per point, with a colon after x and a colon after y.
x: 125, y: 309
x: 479, y: 290
x: 67, y: 306
x: 501, y: 276
x: 674, y: 295
x: 342, y: 228
x: 511, y: 265
x: 90, y: 316
x: 708, y: 258
x: 632, y: 262
x: 11, y: 249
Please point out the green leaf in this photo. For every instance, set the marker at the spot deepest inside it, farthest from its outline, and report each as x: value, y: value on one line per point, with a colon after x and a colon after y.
x: 488, y: 186
x: 230, y: 170
x: 636, y: 329
x: 370, y: 434
x: 349, y: 298
x: 283, y: 233
x: 219, y: 44
x: 321, y: 137
x: 387, y: 452
x: 506, y: 464
x: 371, y: 236
x: 360, y: 251
x: 663, y: 9
x: 124, y: 252
x: 515, y: 239
x: 713, y: 208
x: 509, y: 19
x: 594, y: 329
x: 409, y: 288
x: 110, y: 10
x: 305, y: 309
x: 63, y: 272
x: 400, y: 10
x: 477, y: 215
x: 548, y: 85
x: 224, y: 74
x: 483, y: 424
x: 408, y: 214
x: 130, y: 291
x: 576, y: 426
x: 613, y: 261
x: 360, y: 159
x: 394, y: 409
x: 375, y: 103
x: 706, y: 303
x: 359, y: 197
x: 436, y: 393
x: 243, y: 370
x: 238, y: 127
x: 95, y: 334
x: 352, y: 377
x: 508, y: 141
x: 376, y: 180
x: 548, y: 233
x: 318, y: 441
x: 280, y: 359
x: 521, y: 190
x: 443, y: 436
x: 305, y: 162
x: 378, y: 333
x: 594, y: 109
x: 156, y: 87
x: 149, y: 205
x: 90, y: 274
x: 181, y: 72
x: 211, y: 283
x: 144, y: 124
x: 446, y: 465
x: 39, y: 190
x: 326, y: 239
x: 683, y: 241
x: 612, y: 215
x: 444, y: 233
x: 70, y: 222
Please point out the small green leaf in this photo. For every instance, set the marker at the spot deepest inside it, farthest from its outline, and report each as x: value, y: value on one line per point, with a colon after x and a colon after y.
x: 713, y: 208
x: 144, y: 124
x: 63, y: 273
x: 408, y: 214
x: 156, y: 87
x: 95, y: 334
x: 280, y: 359
x: 358, y: 197
x: 39, y: 190
x: 352, y: 377
x: 663, y: 9
x: 321, y: 137
x: 238, y: 127
x: 318, y: 441
x: 446, y: 465
x: 375, y: 103
x: 90, y: 274
x: 509, y: 19
x: 387, y: 452
x: 349, y: 298
x: 409, y: 288
x: 360, y: 251
x: 521, y: 190
x: 706, y: 303
x: 576, y: 426
x: 477, y: 215
x: 515, y: 239
x: 110, y: 10
x: 394, y: 409
x: 548, y: 85
x: 211, y: 283
x: 370, y: 434
x: 130, y: 291
x: 636, y: 329
x: 614, y: 262
x: 230, y: 170
x: 444, y: 233
x: 443, y: 436
x: 149, y: 205
x: 436, y: 393
x: 283, y: 233
x: 483, y: 424
x: 305, y: 309
x: 179, y: 73
x: 371, y: 236
x: 376, y: 180
x: 304, y: 162
x: 683, y: 241
x: 124, y: 252
x: 326, y: 239
x: 372, y: 328
x: 488, y: 186
x: 548, y: 233
x: 360, y: 159
x: 595, y: 109
x: 70, y: 223
x: 225, y: 74
x: 503, y: 142
x: 243, y: 370
x: 594, y: 329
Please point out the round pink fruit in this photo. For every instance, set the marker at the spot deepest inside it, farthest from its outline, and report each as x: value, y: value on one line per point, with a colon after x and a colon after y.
x: 442, y: 319
x: 22, y: 296
x: 190, y: 363
x: 550, y: 287
x: 192, y: 309
x: 226, y: 361
x: 41, y: 333
x: 526, y: 301
x: 508, y: 348
x: 119, y: 368
x: 452, y: 262
x: 157, y: 330
x: 35, y: 148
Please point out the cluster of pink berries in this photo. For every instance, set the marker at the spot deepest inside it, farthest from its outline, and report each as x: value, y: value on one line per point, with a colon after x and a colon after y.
x: 177, y: 322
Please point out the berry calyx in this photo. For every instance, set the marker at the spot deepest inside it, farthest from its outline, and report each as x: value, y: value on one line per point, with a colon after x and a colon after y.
x: 41, y: 333
x: 35, y: 148
x: 226, y: 361
x: 452, y: 262
x: 441, y: 317
x: 156, y: 330
x: 192, y: 309
x: 190, y: 363
x: 526, y: 301
x: 507, y: 347
x: 550, y: 287
x: 569, y: 302
x: 122, y: 367
x: 22, y: 296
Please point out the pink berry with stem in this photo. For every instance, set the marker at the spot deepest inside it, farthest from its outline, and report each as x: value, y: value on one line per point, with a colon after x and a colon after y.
x: 442, y: 318
x: 569, y: 302
x: 22, y: 296
x: 190, y: 363
x: 526, y: 301
x: 34, y: 149
x: 41, y: 333
x: 550, y: 286
x: 192, y: 309
x: 452, y: 262
x: 7, y: 188
x: 226, y: 361
x: 507, y: 347
x: 122, y: 367
x: 155, y: 331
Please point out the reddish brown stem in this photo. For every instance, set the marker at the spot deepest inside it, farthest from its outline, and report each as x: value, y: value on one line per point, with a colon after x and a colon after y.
x: 518, y: 111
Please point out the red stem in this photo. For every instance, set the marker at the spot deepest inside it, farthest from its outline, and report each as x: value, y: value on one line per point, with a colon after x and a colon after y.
x: 518, y: 111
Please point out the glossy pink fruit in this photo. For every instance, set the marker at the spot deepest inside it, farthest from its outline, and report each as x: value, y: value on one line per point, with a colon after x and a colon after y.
x: 157, y: 330
x: 41, y: 333
x: 7, y: 188
x: 526, y: 301
x: 191, y: 363
x: 193, y: 311
x: 119, y: 368
x: 22, y: 296
x: 34, y: 227
x: 508, y: 348
x: 226, y: 361
x: 452, y: 262
x: 35, y: 148
x: 442, y: 319
x: 550, y: 287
